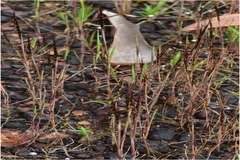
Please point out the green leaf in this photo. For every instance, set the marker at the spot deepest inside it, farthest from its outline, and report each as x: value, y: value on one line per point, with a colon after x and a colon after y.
x: 83, y: 14
x: 36, y: 7
x: 42, y: 75
x: 175, y: 60
x: 82, y: 3
x: 143, y: 14
x: 158, y: 7
x: 171, y: 63
x: 66, y: 54
x: 136, y: 36
x: 70, y: 15
x: 98, y: 45
x: 237, y: 121
x: 112, y: 53
x: 65, y: 124
x: 61, y: 15
x: 113, y: 74
x: 92, y: 38
x: 35, y: 110
x: 133, y: 73
x: 148, y: 8
x: 61, y: 75
x: 233, y: 34
x: 84, y: 132
x: 104, y: 102
x: 145, y: 67
x: 33, y: 42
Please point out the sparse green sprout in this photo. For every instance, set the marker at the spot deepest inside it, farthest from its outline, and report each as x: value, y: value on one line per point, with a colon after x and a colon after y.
x: 36, y: 8
x: 92, y: 38
x: 64, y: 18
x: 61, y: 75
x: 26, y: 81
x: 33, y: 42
x: 152, y: 11
x: 111, y: 54
x: 75, y: 53
x: 104, y: 102
x: 235, y: 93
x: 137, y: 44
x: 145, y: 67
x: 70, y: 15
x: 61, y: 15
x: 233, y: 34
x: 98, y: 46
x: 83, y: 13
x: 237, y: 121
x: 84, y: 132
x: 66, y: 54
x: 175, y: 60
x: 114, y: 75
x: 65, y: 125
x: 222, y: 80
x: 133, y: 74
x: 42, y: 75
x: 35, y: 110
x: 149, y: 10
